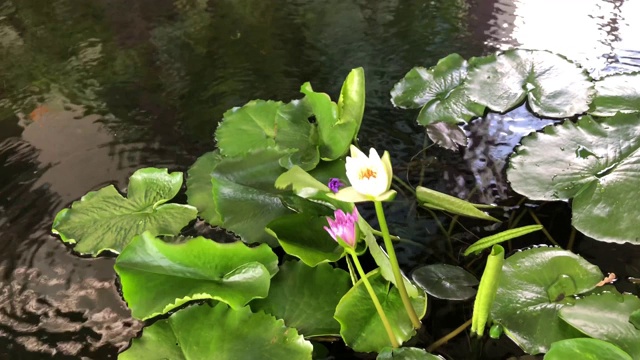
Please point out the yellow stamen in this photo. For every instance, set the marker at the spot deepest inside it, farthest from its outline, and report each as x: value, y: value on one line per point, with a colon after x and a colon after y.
x: 367, y: 173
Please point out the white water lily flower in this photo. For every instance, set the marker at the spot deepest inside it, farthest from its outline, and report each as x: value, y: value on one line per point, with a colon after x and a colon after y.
x: 370, y: 177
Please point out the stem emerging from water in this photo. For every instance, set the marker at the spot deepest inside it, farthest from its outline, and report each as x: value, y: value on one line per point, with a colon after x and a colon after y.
x: 374, y: 298
x: 395, y: 267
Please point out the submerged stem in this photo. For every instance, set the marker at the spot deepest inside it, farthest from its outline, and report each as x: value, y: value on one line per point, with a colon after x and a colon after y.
x: 546, y: 233
x: 395, y: 267
x: 443, y: 340
x: 374, y: 298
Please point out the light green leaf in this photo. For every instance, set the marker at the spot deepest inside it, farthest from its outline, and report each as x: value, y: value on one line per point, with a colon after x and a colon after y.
x: 446, y: 281
x: 617, y: 93
x: 440, y: 92
x: 157, y: 277
x: 221, y: 333
x: 553, y: 85
x: 488, y: 241
x: 306, y: 297
x: 105, y: 220
x: 360, y: 324
x: 534, y: 286
x: 595, y: 163
x: 585, y: 349
x: 448, y: 203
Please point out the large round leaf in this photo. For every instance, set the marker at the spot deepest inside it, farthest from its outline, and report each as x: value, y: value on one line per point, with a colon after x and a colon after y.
x: 606, y: 317
x: 200, y: 187
x: 303, y: 236
x: 585, y: 349
x: 306, y: 297
x: 535, y: 284
x: 446, y: 281
x: 619, y: 92
x: 105, y: 220
x: 553, y: 85
x: 221, y: 333
x: 439, y: 90
x: 361, y: 326
x: 157, y: 277
x: 595, y: 163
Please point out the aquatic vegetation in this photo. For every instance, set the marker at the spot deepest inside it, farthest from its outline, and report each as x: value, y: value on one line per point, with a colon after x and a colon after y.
x: 289, y: 175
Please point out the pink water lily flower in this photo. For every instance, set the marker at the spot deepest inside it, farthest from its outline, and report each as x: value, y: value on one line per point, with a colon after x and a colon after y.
x: 343, y: 227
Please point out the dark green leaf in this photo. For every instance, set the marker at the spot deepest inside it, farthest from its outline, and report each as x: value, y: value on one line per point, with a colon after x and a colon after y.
x: 619, y: 92
x: 634, y: 318
x: 446, y: 281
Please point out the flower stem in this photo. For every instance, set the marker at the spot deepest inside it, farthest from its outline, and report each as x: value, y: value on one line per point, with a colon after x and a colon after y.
x: 395, y: 267
x: 374, y: 298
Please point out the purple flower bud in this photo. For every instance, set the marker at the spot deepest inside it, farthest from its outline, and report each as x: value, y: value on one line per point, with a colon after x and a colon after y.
x: 335, y: 184
x: 343, y: 227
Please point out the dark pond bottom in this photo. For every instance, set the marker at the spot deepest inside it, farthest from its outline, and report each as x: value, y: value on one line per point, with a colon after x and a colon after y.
x: 92, y: 90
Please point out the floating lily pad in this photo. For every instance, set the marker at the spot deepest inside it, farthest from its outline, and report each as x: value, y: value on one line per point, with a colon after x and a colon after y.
x: 440, y: 92
x: 221, y: 333
x: 447, y: 135
x: 407, y: 353
x: 530, y: 295
x: 157, y: 277
x: 446, y: 281
x: 606, y: 317
x: 200, y: 187
x: 361, y: 326
x: 595, y: 163
x: 105, y: 220
x: 306, y: 297
x: 617, y: 93
x: 585, y: 349
x: 553, y: 85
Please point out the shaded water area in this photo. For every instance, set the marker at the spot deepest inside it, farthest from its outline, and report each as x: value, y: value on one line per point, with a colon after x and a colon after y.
x: 92, y: 90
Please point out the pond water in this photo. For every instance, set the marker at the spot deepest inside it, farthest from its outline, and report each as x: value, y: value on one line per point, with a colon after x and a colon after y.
x: 92, y: 90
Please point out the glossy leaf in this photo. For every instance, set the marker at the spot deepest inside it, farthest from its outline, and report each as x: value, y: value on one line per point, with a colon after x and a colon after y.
x: 221, y: 333
x: 487, y: 290
x: 606, y: 317
x: 489, y: 241
x: 260, y: 125
x: 105, y: 220
x: 360, y: 324
x: 157, y: 277
x: 530, y: 295
x: 595, y: 163
x: 439, y: 90
x: 440, y: 201
x: 552, y: 85
x: 634, y: 319
x: 407, y: 353
x: 304, y: 237
x: 306, y: 297
x: 200, y: 187
x: 445, y: 281
x: 585, y: 349
x: 617, y: 93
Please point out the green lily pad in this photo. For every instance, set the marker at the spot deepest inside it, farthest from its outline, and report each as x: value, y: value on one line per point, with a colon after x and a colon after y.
x: 157, y: 277
x: 446, y: 281
x: 606, y: 317
x: 440, y: 92
x: 200, y: 187
x: 105, y: 220
x: 361, y: 326
x: 553, y: 85
x: 617, y: 93
x: 585, y: 349
x: 306, y: 297
x: 260, y: 125
x: 407, y: 353
x: 221, y: 333
x: 447, y: 135
x: 595, y: 163
x: 304, y: 237
x: 524, y: 304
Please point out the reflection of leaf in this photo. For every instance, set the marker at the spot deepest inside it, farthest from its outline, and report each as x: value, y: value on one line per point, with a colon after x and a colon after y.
x: 554, y: 86
x: 439, y: 90
x: 158, y: 277
x: 530, y: 295
x: 606, y: 317
x: 221, y: 333
x: 105, y: 220
x: 583, y: 348
x: 595, y: 163
x: 360, y: 324
x: 306, y: 297
x: 446, y: 281
x: 618, y: 92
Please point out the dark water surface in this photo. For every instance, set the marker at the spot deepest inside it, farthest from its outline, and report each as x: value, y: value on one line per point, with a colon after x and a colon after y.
x: 91, y: 90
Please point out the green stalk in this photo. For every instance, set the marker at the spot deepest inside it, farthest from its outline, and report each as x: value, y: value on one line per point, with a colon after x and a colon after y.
x: 395, y: 267
x: 374, y: 298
